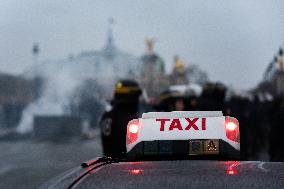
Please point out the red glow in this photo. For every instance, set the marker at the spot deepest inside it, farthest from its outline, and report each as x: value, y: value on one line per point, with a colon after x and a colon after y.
x: 232, y: 167
x: 136, y: 171
x: 232, y: 129
x: 135, y: 163
x: 133, y: 128
x: 231, y: 126
x: 232, y: 172
x: 132, y: 131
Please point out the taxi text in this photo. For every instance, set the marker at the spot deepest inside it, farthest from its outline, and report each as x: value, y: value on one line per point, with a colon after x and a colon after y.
x: 175, y: 124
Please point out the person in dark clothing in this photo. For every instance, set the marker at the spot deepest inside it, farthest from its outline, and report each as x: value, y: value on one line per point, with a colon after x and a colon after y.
x: 171, y: 100
x: 213, y: 97
x: 276, y: 150
x: 114, y: 122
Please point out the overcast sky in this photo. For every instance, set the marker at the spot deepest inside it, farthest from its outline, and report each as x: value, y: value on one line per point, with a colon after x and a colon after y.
x: 233, y: 40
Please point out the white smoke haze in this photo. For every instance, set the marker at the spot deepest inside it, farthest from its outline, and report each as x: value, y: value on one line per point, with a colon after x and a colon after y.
x: 63, y: 78
x: 54, y: 99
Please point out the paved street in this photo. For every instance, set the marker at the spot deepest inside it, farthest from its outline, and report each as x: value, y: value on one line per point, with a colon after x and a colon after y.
x: 27, y: 164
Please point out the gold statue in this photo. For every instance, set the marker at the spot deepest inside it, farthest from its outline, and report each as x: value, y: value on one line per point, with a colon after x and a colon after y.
x: 150, y: 44
x: 280, y: 61
x: 179, y: 64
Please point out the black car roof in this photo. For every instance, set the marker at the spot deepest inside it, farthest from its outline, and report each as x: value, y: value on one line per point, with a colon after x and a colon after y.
x: 185, y: 174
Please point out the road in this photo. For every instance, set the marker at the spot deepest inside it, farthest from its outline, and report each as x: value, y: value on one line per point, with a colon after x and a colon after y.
x: 27, y: 164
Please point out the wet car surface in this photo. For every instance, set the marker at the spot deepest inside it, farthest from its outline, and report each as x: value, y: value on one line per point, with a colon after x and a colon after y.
x: 178, y: 174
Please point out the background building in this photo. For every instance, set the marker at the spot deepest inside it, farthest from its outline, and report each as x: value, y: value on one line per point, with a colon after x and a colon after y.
x: 15, y: 94
x: 273, y: 80
x: 153, y: 77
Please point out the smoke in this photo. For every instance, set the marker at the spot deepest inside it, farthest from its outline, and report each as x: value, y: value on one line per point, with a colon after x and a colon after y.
x: 55, y: 99
x: 65, y: 79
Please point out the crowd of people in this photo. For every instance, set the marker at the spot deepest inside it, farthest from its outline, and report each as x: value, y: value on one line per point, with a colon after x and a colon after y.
x: 260, y: 119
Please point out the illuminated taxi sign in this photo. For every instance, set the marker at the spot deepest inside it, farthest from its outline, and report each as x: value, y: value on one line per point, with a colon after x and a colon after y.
x: 176, y: 124
x: 181, y: 132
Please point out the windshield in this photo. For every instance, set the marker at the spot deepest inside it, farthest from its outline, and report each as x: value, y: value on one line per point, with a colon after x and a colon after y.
x: 74, y: 73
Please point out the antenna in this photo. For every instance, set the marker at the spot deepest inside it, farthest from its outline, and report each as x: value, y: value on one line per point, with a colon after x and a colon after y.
x: 110, y: 33
x: 35, y: 52
x: 109, y: 46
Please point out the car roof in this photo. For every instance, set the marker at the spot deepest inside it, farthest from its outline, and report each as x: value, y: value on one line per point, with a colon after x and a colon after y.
x: 186, y: 174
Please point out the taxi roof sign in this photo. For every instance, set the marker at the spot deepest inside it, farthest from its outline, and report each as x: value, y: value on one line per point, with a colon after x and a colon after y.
x: 181, y: 114
x: 182, y: 126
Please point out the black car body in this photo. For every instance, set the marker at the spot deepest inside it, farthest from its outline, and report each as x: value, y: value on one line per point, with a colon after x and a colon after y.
x: 172, y: 174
